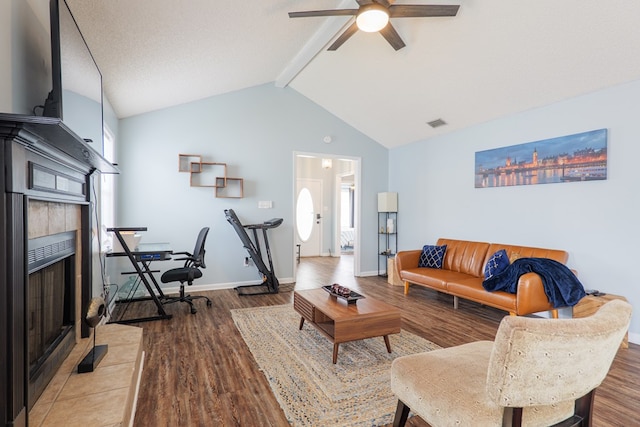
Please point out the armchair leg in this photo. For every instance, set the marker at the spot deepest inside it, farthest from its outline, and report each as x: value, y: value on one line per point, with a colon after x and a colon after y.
x: 584, y: 407
x: 581, y: 417
x: 402, y: 413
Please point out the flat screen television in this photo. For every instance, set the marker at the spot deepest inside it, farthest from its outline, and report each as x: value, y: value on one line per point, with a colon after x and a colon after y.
x: 76, y: 96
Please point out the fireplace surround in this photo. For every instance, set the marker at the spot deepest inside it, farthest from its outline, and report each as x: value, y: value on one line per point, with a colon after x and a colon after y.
x: 46, y: 204
x: 51, y: 310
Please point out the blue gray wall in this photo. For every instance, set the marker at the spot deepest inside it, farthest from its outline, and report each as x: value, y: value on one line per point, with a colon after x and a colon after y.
x: 596, y: 222
x: 255, y: 132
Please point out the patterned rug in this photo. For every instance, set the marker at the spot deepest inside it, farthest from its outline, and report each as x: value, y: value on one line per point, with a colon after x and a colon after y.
x: 311, y: 390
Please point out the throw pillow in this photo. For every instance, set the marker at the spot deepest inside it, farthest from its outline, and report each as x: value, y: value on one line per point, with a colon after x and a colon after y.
x: 498, y: 262
x: 432, y: 256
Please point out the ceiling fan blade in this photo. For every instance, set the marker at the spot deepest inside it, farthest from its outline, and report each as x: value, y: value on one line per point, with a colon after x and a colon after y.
x: 385, y: 3
x: 333, y: 12
x: 353, y: 28
x: 392, y: 37
x: 419, y: 11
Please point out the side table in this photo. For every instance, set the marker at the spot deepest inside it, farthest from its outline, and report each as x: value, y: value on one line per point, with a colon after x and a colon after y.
x: 392, y: 273
x: 591, y: 303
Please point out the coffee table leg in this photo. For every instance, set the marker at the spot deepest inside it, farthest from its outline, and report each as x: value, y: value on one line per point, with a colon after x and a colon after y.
x: 301, y: 322
x: 387, y: 343
x: 335, y: 353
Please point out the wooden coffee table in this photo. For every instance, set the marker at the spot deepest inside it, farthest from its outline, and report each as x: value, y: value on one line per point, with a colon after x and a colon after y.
x: 341, y: 322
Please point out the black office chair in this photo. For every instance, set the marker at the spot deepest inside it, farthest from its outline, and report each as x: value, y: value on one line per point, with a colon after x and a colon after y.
x: 193, y: 262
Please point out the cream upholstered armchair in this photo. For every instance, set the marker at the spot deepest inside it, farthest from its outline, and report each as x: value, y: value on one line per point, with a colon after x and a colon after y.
x: 537, y: 372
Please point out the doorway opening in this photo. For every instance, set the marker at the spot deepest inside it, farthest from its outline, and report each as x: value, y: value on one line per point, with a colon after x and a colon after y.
x: 326, y: 207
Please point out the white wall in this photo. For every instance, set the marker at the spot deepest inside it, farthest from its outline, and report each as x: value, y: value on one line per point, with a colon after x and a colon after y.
x: 597, y: 222
x: 255, y: 132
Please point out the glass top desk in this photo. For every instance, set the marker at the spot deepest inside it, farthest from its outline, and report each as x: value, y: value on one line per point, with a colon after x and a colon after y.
x: 141, y: 258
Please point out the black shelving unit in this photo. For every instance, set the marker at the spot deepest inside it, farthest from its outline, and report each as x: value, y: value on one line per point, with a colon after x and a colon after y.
x: 387, y: 240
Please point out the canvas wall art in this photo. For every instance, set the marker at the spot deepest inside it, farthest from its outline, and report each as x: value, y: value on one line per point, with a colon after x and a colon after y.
x: 570, y: 158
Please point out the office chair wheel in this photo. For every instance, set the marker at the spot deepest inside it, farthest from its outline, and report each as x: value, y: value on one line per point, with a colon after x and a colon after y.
x: 193, y: 310
x: 209, y: 304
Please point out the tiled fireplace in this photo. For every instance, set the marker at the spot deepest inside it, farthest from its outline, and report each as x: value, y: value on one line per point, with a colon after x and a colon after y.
x: 54, y: 289
x: 45, y: 261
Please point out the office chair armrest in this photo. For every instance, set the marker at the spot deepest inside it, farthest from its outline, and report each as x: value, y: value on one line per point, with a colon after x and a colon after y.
x: 182, y: 253
x: 188, y: 261
x: 188, y: 258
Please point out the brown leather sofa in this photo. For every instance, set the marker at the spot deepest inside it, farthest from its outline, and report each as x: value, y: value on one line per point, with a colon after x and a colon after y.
x: 462, y: 274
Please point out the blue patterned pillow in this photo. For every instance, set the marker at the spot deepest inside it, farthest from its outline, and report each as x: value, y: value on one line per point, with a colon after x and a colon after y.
x: 498, y: 262
x: 432, y: 256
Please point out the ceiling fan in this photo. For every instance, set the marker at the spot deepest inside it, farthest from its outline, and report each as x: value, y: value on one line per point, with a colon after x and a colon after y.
x: 373, y: 16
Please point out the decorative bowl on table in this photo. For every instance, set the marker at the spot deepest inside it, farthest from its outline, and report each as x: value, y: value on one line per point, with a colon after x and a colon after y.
x: 343, y: 292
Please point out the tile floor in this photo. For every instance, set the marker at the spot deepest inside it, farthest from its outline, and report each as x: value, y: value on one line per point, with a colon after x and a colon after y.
x: 104, y: 397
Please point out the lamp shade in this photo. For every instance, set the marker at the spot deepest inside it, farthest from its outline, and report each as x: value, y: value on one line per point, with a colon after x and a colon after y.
x: 387, y: 202
x: 372, y: 17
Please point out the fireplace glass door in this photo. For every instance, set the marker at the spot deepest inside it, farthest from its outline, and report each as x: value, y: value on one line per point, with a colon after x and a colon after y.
x: 49, y: 312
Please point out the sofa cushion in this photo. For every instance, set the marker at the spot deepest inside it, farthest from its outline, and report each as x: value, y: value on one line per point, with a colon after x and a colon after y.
x: 435, y: 278
x: 432, y: 256
x: 473, y: 290
x: 465, y: 256
x: 497, y: 263
x: 515, y: 252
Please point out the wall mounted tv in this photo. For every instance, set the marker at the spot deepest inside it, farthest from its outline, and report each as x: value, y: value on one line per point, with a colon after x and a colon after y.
x: 76, y: 97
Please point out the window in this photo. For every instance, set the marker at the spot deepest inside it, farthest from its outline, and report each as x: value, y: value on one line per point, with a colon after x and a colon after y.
x: 304, y: 214
x: 346, y: 206
x: 107, y: 187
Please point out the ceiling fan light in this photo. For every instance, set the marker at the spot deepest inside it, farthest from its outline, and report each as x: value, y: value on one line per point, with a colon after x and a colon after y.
x: 372, y: 17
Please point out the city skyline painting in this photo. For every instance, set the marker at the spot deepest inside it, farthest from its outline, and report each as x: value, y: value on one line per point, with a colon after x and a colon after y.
x: 570, y: 158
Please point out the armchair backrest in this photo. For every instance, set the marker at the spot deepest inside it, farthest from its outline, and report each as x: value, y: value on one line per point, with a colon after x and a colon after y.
x: 539, y: 362
x: 198, y: 250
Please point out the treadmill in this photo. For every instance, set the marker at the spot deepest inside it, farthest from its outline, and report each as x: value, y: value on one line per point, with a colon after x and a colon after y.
x: 269, y: 283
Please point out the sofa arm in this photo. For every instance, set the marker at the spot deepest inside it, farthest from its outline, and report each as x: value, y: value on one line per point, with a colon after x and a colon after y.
x: 407, y: 259
x: 530, y: 296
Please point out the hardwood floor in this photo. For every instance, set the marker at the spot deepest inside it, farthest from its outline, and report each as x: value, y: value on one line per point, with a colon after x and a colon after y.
x: 199, y: 372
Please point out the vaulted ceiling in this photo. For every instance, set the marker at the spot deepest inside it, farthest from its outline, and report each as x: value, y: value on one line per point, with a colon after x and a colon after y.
x: 495, y: 58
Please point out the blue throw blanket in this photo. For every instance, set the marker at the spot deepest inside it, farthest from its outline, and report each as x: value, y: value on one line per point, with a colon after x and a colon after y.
x: 561, y: 286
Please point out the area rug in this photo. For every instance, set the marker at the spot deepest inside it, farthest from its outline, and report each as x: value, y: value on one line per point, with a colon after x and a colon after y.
x: 310, y: 389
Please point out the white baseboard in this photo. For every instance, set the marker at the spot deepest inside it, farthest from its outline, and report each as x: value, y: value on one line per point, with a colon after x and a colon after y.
x: 218, y: 286
x: 368, y: 273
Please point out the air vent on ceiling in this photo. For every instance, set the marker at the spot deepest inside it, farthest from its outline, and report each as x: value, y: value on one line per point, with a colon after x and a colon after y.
x: 436, y: 123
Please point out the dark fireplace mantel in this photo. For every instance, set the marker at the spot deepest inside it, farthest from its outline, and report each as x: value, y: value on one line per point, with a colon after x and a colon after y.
x: 42, y: 161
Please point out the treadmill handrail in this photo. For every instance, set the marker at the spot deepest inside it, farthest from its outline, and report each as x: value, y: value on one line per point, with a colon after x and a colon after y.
x: 271, y: 223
